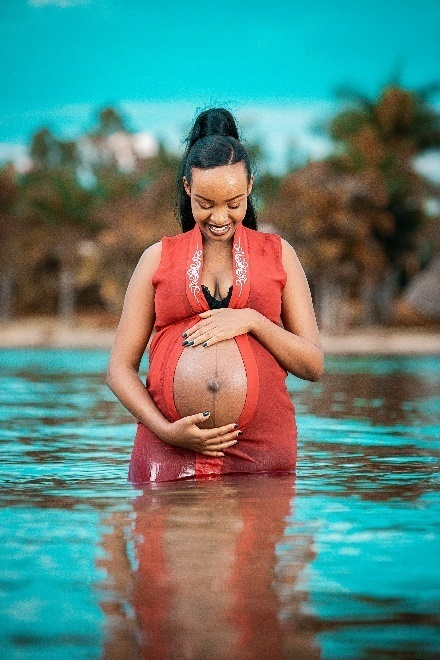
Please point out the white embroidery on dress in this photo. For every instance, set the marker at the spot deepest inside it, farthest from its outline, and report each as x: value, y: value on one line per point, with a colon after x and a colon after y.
x: 193, y: 272
x: 241, y: 266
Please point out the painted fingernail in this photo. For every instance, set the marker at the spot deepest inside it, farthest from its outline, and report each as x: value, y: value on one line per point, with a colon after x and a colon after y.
x: 185, y: 343
x: 240, y: 433
x: 235, y: 426
x: 190, y: 343
x: 205, y: 414
x: 204, y: 343
x: 185, y: 334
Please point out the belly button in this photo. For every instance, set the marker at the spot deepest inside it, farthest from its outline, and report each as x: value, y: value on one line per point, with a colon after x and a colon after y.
x: 214, y: 385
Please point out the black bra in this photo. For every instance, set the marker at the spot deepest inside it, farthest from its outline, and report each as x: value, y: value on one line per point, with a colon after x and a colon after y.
x: 214, y: 303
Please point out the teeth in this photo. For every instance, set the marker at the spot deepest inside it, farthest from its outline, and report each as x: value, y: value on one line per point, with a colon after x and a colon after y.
x: 219, y: 230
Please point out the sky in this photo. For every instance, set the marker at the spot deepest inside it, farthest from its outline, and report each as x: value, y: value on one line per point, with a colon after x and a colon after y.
x: 267, y: 61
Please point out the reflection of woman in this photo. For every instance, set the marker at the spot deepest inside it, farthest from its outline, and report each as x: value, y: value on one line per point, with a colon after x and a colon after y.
x: 208, y: 582
x: 216, y: 400
x: 208, y: 569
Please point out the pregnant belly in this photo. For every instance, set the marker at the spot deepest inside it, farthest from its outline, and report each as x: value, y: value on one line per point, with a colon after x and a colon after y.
x: 211, y: 378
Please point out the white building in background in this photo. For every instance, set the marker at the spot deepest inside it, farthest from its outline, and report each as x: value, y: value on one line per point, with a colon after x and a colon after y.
x: 125, y: 148
x: 16, y: 154
x: 428, y: 165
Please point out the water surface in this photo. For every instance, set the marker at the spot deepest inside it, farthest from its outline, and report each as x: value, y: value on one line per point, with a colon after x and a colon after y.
x: 337, y: 561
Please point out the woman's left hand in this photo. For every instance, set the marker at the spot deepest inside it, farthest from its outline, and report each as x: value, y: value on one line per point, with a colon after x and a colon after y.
x: 219, y: 324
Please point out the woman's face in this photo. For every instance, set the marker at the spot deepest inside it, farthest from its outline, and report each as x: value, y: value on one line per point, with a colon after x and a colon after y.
x: 219, y: 199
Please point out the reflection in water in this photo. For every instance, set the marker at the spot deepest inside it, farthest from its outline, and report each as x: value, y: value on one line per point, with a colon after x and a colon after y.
x: 211, y: 573
x: 397, y: 399
x: 371, y: 427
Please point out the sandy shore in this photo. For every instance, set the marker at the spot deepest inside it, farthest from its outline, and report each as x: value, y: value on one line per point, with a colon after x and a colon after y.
x: 98, y: 333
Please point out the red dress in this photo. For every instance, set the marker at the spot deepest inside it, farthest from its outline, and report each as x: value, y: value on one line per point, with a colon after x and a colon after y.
x: 268, y: 443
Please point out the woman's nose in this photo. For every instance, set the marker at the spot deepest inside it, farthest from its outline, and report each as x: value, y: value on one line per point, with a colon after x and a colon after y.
x: 220, y: 216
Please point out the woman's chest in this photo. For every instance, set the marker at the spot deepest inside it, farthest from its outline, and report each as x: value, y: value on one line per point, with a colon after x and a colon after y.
x: 178, y: 284
x: 217, y: 275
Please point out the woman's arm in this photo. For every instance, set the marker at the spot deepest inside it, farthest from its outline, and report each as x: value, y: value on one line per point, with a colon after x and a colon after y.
x: 296, y: 345
x: 134, y: 330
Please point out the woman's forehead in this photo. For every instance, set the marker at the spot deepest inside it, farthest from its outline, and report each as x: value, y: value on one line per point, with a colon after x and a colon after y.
x: 222, y: 179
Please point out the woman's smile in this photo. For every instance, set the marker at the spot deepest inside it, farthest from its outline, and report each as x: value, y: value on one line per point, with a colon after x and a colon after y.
x: 219, y: 230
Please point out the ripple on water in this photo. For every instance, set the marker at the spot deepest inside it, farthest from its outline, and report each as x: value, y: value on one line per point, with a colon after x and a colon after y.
x: 341, y: 558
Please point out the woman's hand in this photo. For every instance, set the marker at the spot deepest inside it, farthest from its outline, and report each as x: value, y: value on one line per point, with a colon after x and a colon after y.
x: 217, y: 325
x: 211, y: 442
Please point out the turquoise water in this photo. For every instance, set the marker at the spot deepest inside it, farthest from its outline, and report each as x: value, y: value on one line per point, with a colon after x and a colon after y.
x: 337, y: 561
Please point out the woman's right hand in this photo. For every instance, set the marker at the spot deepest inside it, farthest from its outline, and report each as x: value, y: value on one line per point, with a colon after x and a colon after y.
x: 186, y: 434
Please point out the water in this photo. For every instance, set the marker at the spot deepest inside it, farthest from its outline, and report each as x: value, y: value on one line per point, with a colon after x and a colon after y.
x: 337, y: 561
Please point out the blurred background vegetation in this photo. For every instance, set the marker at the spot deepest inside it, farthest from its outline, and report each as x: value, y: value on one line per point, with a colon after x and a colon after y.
x: 364, y: 221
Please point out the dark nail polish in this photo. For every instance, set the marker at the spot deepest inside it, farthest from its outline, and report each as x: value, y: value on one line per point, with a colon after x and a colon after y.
x: 204, y: 343
x: 235, y: 443
x: 185, y: 343
x: 189, y: 343
x: 240, y: 433
x: 185, y: 334
x: 235, y: 426
x: 205, y: 414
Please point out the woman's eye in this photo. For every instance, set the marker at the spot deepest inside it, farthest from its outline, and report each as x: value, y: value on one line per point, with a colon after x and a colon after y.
x: 205, y: 208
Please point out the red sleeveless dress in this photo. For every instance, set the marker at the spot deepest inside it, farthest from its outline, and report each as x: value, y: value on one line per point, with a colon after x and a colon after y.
x: 268, y: 443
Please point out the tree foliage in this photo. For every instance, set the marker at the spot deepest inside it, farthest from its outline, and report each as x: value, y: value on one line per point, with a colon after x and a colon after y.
x: 359, y: 214
x: 87, y: 208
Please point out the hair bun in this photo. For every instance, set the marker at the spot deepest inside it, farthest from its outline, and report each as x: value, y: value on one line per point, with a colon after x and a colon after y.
x: 214, y: 121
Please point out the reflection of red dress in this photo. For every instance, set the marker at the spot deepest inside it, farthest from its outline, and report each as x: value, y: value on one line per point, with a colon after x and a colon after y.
x: 268, y: 443
x: 212, y: 548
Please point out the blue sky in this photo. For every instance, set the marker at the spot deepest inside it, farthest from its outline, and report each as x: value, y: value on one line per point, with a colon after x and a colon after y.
x: 61, y: 59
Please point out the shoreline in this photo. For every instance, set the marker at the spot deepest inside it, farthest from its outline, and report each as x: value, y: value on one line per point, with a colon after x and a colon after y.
x: 97, y: 333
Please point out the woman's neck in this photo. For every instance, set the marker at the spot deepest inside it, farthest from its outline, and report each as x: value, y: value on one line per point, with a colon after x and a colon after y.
x: 217, y: 247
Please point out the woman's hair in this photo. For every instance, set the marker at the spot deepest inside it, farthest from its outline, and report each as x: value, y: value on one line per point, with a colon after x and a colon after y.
x: 212, y: 141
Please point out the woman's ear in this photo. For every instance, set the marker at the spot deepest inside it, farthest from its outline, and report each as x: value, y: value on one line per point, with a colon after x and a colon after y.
x: 186, y: 186
x: 251, y: 181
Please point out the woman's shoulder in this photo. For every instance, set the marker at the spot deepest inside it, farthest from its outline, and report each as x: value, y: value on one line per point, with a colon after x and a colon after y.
x: 269, y: 240
x: 160, y: 255
x: 166, y: 243
x: 176, y: 238
x: 150, y: 259
x: 262, y: 235
x: 271, y: 237
x: 170, y: 243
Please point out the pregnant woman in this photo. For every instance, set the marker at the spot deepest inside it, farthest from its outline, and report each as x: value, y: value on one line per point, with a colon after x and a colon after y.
x: 232, y: 314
